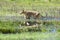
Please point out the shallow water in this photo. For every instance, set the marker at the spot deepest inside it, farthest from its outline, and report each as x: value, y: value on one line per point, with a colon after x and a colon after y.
x: 21, y: 18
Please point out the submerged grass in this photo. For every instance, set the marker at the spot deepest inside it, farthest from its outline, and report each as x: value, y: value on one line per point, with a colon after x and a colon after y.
x: 17, y: 27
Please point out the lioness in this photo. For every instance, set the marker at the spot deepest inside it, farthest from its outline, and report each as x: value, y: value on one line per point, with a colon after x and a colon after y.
x: 29, y: 14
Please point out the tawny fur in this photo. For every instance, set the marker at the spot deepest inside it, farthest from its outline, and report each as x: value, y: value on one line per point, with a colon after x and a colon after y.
x: 29, y: 14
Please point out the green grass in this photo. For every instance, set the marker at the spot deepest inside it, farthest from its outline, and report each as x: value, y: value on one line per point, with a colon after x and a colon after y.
x: 12, y: 7
x: 17, y: 26
x: 31, y: 36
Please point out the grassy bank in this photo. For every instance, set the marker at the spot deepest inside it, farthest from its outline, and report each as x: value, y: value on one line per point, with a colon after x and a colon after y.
x: 31, y: 36
x: 13, y: 7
